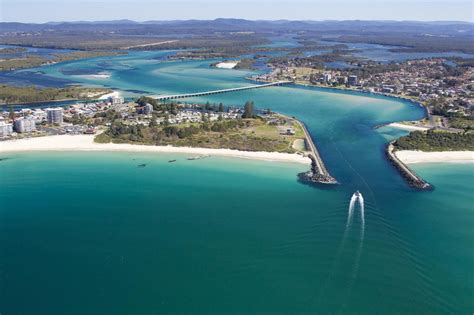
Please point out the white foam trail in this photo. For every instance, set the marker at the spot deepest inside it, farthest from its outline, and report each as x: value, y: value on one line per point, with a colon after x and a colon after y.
x: 362, y: 215
x: 355, y: 269
x: 351, y: 209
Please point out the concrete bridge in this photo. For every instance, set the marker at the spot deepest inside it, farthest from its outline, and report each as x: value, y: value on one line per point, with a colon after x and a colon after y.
x: 255, y: 86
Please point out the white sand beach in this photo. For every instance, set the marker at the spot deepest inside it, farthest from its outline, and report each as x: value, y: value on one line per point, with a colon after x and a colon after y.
x: 227, y: 65
x: 412, y: 157
x: 86, y: 143
x: 408, y: 127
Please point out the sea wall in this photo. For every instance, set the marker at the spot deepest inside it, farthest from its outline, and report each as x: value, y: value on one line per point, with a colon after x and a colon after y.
x: 318, y: 172
x: 408, y: 174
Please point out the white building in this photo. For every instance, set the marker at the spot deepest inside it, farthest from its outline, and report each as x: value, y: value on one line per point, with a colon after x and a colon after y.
x: 352, y: 80
x: 54, y: 115
x: 327, y: 77
x: 146, y: 109
x: 116, y: 100
x: 6, y: 129
x: 25, y: 124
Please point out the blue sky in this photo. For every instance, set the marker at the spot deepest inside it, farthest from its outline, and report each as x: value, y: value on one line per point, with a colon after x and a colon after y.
x: 141, y: 10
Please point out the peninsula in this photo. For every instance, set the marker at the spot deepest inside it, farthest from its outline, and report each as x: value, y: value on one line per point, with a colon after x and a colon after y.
x: 148, y: 125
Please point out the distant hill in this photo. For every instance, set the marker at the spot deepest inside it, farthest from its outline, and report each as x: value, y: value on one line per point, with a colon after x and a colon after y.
x: 227, y: 25
x: 415, y: 36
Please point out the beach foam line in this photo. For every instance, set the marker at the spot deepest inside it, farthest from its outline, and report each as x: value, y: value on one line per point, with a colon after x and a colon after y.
x: 68, y: 143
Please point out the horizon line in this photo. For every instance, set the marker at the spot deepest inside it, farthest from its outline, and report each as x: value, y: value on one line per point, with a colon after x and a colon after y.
x: 234, y: 18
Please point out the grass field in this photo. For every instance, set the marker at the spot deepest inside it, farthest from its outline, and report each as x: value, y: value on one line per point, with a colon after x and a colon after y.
x: 245, y: 135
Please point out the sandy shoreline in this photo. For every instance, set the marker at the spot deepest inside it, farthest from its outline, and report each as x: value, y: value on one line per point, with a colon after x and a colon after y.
x: 413, y: 157
x: 86, y: 143
x: 407, y: 127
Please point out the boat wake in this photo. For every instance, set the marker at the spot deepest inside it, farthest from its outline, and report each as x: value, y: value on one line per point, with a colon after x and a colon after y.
x: 356, y: 201
x: 356, y: 198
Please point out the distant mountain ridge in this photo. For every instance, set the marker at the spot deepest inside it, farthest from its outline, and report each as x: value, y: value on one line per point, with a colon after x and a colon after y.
x: 228, y: 24
x: 420, y: 36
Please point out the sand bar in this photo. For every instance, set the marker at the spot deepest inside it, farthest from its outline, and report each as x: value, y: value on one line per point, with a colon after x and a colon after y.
x: 86, y: 143
x: 101, y: 75
x: 227, y: 65
x: 112, y: 94
x: 408, y: 127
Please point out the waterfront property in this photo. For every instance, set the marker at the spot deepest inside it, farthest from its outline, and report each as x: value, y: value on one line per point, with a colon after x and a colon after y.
x: 6, y: 129
x: 54, y: 115
x: 25, y: 124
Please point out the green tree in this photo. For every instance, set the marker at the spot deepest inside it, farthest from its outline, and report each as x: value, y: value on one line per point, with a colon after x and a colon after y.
x: 166, y: 121
x: 204, y: 118
x: 248, y: 110
x: 142, y: 101
x: 153, y: 123
x: 12, y: 113
x: 221, y: 108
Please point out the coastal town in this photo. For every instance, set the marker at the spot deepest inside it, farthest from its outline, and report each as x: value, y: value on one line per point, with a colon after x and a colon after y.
x: 442, y: 90
x: 145, y: 120
x: 445, y: 91
x: 245, y: 130
x: 85, y: 117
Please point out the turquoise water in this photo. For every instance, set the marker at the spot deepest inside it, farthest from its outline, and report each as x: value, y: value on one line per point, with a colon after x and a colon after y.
x: 94, y: 233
